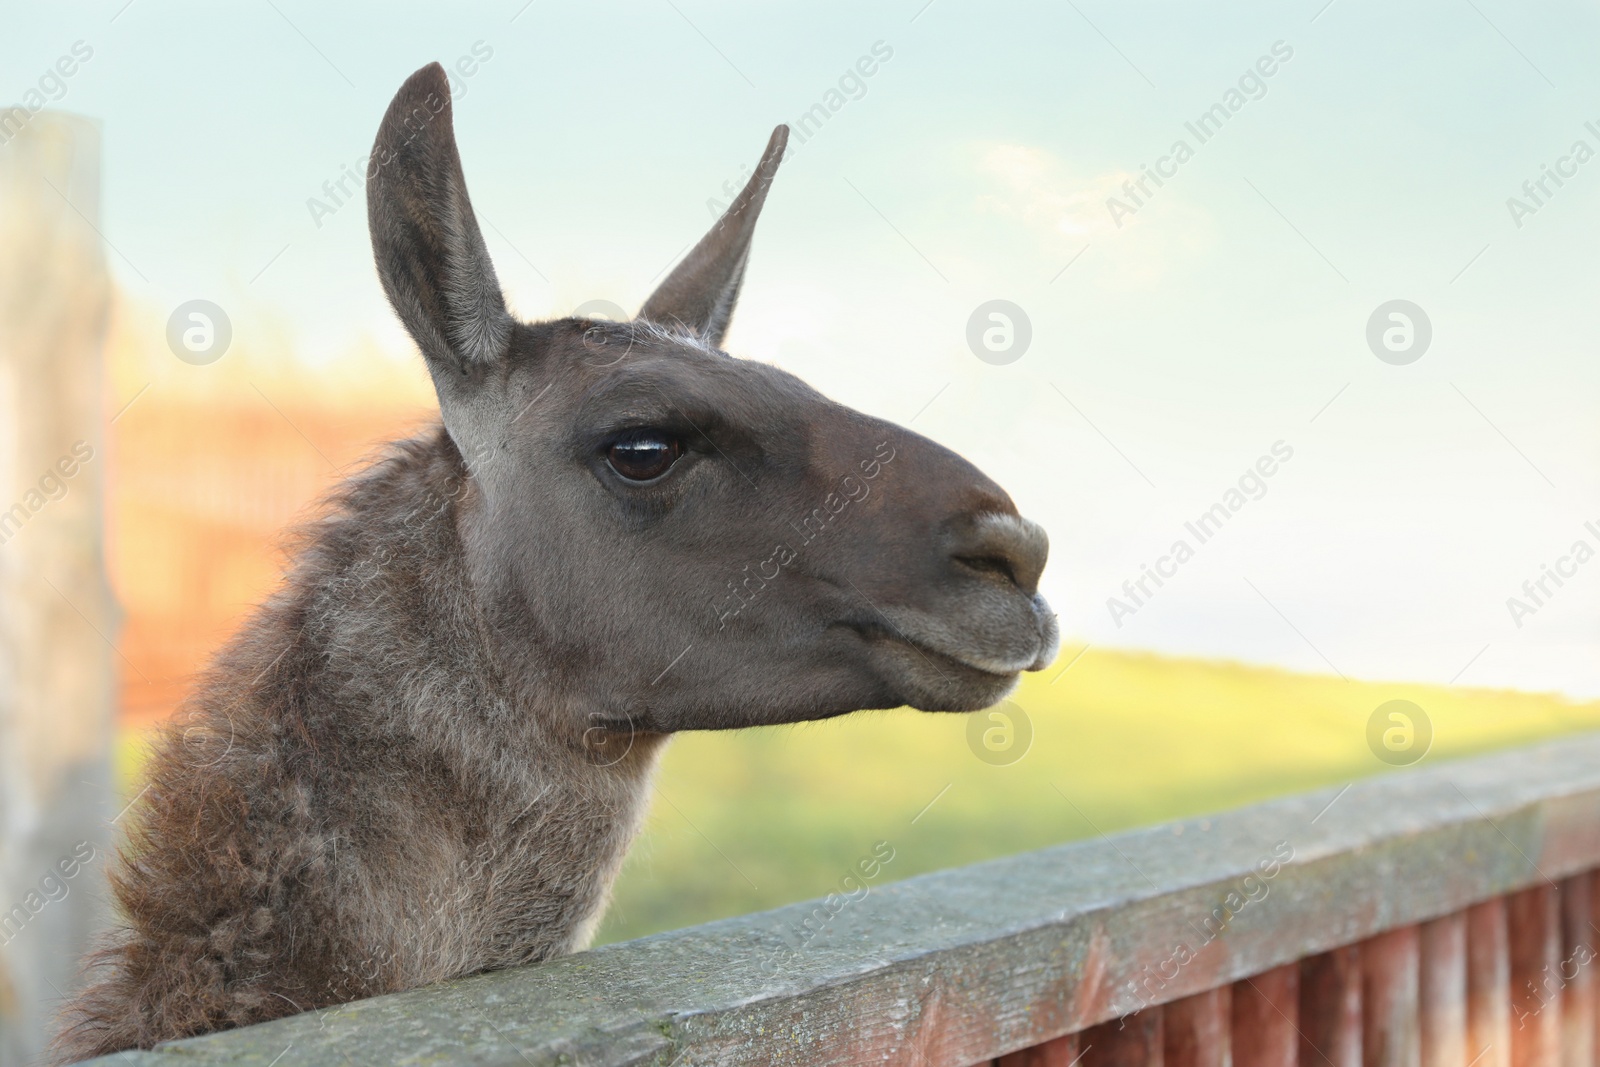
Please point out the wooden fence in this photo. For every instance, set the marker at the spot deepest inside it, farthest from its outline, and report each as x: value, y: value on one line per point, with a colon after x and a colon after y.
x: 1441, y: 916
x: 57, y: 617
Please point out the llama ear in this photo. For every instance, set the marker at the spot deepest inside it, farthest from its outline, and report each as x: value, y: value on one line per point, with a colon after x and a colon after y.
x: 701, y: 291
x: 425, y: 238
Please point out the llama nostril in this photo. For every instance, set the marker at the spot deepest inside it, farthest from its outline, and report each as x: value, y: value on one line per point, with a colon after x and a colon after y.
x: 1007, y: 545
x: 990, y: 565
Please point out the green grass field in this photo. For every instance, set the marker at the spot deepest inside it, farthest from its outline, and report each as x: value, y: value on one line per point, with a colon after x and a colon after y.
x: 751, y: 820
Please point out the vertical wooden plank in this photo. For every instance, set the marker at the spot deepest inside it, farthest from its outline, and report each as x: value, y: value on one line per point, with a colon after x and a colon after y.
x: 1488, y: 985
x: 1391, y: 1034
x: 1132, y: 1041
x: 1533, y: 925
x: 1594, y: 947
x: 56, y: 676
x: 1579, y: 987
x: 1266, y: 1012
x: 1062, y: 1052
x: 1443, y: 993
x: 1199, y: 1030
x: 1330, y: 1008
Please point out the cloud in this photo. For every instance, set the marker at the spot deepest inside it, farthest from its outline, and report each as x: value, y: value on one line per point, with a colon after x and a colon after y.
x: 1034, y: 187
x: 1065, y: 210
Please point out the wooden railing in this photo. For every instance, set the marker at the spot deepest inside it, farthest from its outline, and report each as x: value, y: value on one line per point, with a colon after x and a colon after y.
x: 1439, y: 916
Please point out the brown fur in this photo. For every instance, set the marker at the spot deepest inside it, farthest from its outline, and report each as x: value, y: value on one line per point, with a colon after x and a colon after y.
x: 426, y: 755
x: 259, y: 873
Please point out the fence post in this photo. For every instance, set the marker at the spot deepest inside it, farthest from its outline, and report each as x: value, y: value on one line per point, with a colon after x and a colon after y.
x: 56, y: 613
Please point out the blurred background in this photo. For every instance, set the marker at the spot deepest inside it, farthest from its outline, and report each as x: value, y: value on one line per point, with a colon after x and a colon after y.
x: 1126, y: 258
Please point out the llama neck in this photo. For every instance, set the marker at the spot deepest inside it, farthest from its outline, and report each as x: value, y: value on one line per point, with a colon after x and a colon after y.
x: 527, y: 822
x: 464, y: 824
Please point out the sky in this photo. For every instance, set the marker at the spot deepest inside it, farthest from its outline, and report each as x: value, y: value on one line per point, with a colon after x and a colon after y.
x: 1182, y: 335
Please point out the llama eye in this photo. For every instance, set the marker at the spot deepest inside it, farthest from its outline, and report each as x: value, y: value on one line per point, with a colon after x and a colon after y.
x: 644, y: 456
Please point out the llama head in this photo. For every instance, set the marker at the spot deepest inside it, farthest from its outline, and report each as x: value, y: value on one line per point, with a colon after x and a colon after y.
x: 677, y: 539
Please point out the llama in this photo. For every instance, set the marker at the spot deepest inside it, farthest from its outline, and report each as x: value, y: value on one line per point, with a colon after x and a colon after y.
x: 426, y: 754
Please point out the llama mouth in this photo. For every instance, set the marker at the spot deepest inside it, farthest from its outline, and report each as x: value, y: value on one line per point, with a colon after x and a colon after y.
x: 998, y: 672
x: 1024, y: 642
x: 930, y: 675
x: 937, y: 657
x: 935, y: 647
